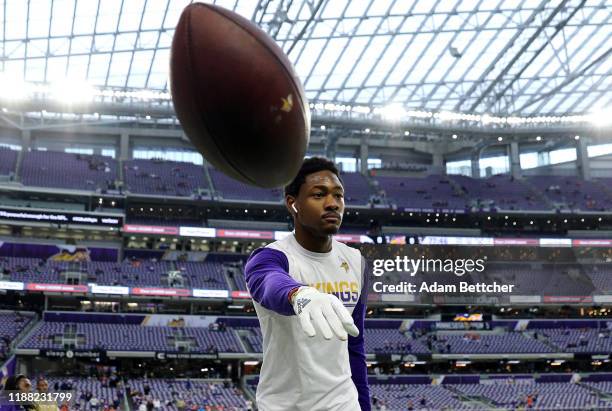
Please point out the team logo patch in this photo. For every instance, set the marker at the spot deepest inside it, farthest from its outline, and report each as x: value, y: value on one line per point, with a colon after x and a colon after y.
x: 301, y: 303
x: 287, y: 103
x: 345, y: 266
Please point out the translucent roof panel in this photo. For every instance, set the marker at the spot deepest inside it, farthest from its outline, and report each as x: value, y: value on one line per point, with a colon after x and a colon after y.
x: 512, y: 57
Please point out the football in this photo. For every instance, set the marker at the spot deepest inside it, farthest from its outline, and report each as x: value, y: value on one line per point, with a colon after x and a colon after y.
x: 237, y: 96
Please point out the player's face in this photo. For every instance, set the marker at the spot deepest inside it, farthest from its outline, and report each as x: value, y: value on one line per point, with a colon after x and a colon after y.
x: 24, y: 385
x: 321, y: 203
x: 42, y: 386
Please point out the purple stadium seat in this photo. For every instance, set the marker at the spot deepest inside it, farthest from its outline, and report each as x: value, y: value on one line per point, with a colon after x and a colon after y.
x: 229, y: 189
x: 8, y: 161
x: 67, y: 170
x: 431, y: 192
x: 164, y: 178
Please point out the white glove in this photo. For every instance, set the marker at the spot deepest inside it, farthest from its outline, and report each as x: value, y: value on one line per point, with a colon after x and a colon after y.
x: 325, y: 311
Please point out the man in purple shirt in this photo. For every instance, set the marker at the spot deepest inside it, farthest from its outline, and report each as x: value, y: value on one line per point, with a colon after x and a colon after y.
x: 304, y: 288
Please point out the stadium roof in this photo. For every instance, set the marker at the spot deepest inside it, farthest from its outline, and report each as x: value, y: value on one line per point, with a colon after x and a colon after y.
x: 519, y: 57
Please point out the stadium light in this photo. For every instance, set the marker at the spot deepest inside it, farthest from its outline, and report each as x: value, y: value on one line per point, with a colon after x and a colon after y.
x: 392, y: 112
x: 538, y: 138
x: 396, y: 112
x: 71, y: 91
x: 602, y: 117
x: 14, y: 88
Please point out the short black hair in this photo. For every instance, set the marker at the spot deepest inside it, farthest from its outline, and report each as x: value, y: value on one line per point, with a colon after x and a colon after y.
x: 309, y: 166
x: 12, y: 383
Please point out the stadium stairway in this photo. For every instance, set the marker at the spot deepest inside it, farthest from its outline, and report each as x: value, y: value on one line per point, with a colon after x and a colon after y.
x: 231, y: 272
x: 127, y: 402
x: 214, y: 193
x: 244, y: 342
x: 457, y: 189
x: 18, y: 165
x: 121, y: 173
x: 186, y: 279
x: 601, y: 394
x: 248, y: 388
x: 543, y: 340
x: 374, y: 189
x: 472, y: 401
x: 211, y: 187
x: 537, y: 193
x: 34, y: 325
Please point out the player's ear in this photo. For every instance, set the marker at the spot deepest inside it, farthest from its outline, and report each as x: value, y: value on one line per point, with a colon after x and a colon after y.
x: 290, y: 203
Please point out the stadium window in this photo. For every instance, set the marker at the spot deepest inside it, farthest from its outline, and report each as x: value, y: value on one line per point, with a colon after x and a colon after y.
x: 499, y: 165
x: 11, y: 146
x: 529, y: 160
x: 599, y: 150
x: 79, y: 150
x: 374, y: 163
x: 543, y: 158
x: 462, y: 167
x: 108, y: 152
x: 562, y: 156
x: 347, y: 164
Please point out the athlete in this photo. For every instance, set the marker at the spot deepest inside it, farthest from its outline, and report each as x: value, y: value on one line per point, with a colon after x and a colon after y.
x: 309, y: 294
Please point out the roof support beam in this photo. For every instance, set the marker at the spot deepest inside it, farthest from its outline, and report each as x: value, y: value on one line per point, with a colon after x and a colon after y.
x: 517, y: 56
x: 524, y: 66
x: 560, y: 72
x: 499, y: 56
x: 571, y: 78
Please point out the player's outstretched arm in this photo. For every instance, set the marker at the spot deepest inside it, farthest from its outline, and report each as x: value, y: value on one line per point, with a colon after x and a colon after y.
x: 267, y: 276
x: 268, y: 280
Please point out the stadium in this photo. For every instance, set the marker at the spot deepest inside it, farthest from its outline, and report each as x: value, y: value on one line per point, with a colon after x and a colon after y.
x: 473, y: 131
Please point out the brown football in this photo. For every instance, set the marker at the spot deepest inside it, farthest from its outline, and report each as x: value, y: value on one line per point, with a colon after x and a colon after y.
x: 237, y: 96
